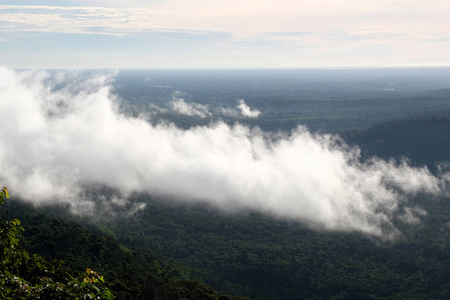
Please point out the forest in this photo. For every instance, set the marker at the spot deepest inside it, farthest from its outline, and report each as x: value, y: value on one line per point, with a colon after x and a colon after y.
x: 175, y: 249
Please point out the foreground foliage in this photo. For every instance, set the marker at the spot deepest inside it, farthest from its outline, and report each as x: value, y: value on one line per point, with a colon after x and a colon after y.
x: 28, y: 276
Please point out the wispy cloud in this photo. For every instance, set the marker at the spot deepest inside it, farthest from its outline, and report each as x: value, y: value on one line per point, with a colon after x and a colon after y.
x: 242, y: 110
x: 85, y: 20
x: 364, y: 19
x: 246, y: 111
x: 245, y: 33
x: 192, y: 109
x: 178, y: 106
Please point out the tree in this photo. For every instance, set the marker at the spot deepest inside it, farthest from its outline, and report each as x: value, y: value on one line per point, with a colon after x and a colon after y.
x: 27, y: 276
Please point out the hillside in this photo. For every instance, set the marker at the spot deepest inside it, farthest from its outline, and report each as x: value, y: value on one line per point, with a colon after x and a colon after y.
x: 423, y: 141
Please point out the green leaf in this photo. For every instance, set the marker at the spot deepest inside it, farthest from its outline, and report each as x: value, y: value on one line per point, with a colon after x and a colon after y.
x: 107, y: 295
x: 5, y: 191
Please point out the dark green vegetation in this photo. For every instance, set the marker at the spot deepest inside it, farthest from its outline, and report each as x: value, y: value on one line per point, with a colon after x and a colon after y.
x: 266, y: 258
x: 423, y: 141
x: 27, y: 276
x: 129, y: 274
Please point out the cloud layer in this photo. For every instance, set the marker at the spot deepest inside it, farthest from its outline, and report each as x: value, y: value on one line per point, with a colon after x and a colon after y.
x: 56, y: 143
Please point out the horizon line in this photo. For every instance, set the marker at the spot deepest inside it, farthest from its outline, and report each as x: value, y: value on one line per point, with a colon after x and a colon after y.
x: 243, y: 68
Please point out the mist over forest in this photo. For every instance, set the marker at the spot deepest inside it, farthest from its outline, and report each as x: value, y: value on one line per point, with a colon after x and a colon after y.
x: 187, y: 164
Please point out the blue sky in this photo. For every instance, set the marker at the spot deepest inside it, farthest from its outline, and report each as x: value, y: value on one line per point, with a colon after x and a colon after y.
x: 223, y: 34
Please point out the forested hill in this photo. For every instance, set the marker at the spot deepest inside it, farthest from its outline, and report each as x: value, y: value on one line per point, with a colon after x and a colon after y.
x: 424, y: 141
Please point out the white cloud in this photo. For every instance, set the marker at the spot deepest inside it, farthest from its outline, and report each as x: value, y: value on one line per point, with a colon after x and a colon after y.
x: 189, y: 109
x: 179, y: 106
x: 242, y: 111
x: 55, y: 144
x: 246, y: 111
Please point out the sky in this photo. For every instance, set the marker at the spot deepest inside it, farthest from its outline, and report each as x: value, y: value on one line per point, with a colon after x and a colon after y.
x: 223, y: 34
